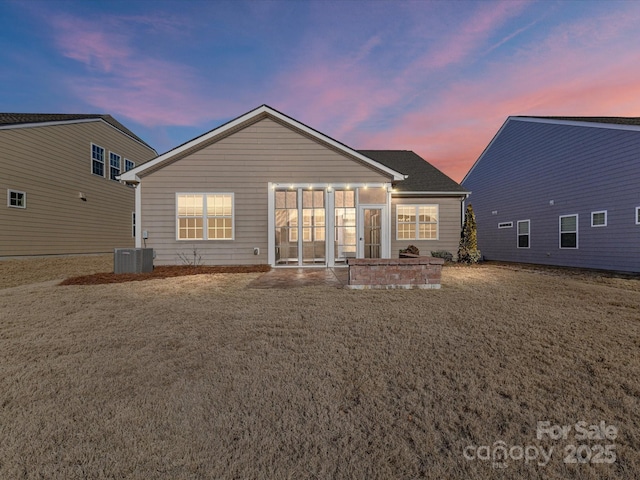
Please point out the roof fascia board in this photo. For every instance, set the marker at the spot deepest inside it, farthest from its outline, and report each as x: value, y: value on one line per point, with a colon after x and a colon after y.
x: 51, y: 124
x: 439, y: 194
x: 334, y: 143
x: 486, y: 149
x: 576, y: 123
x: 264, y: 109
x: 132, y: 138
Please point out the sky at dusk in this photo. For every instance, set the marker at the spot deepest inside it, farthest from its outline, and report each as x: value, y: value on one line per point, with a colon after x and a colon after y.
x: 436, y: 77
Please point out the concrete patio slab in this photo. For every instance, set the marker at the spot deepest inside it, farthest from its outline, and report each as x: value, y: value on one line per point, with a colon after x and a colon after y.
x: 301, y: 277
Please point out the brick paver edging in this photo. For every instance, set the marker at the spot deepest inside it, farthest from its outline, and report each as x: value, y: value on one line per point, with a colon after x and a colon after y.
x: 387, y: 273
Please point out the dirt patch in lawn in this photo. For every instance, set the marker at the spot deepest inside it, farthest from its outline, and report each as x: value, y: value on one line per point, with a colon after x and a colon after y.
x: 161, y: 272
x: 202, y: 377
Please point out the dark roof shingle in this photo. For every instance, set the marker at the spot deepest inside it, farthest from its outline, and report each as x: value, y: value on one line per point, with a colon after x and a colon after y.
x: 422, y: 176
x: 7, y: 119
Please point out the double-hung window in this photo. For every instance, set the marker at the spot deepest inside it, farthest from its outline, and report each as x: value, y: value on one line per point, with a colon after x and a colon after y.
x: 524, y: 233
x: 97, y: 160
x: 417, y: 222
x: 114, y: 166
x: 128, y: 165
x: 204, y: 216
x: 569, y: 231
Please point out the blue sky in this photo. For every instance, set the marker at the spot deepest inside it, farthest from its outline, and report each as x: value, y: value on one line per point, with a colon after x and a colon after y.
x: 436, y: 77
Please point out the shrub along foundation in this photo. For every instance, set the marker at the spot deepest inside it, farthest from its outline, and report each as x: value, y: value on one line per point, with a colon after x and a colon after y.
x: 387, y: 273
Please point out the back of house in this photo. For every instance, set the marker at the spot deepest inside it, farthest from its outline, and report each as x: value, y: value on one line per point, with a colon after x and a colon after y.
x: 265, y: 188
x: 560, y: 191
x: 58, y: 172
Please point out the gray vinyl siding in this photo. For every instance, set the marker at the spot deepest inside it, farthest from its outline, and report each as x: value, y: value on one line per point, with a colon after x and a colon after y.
x: 449, y: 225
x: 582, y: 169
x: 52, y: 164
x: 242, y: 163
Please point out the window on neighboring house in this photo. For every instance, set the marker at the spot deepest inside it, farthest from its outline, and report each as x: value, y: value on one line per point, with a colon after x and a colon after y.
x: 16, y: 199
x: 505, y: 225
x: 114, y: 166
x: 97, y: 160
x: 417, y: 222
x: 133, y: 224
x: 637, y: 215
x: 128, y: 165
x: 599, y: 219
x: 524, y: 232
x: 569, y: 231
x: 205, y: 216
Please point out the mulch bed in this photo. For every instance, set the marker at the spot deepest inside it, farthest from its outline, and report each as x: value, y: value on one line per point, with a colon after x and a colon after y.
x: 161, y: 272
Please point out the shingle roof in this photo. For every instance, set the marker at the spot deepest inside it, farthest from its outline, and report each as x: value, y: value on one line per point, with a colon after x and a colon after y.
x: 613, y: 120
x: 7, y: 119
x: 422, y: 176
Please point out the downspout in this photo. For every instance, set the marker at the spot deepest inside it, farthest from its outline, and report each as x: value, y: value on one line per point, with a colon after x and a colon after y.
x: 138, y: 189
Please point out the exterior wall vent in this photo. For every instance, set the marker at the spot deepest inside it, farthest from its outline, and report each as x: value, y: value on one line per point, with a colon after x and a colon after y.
x: 133, y: 260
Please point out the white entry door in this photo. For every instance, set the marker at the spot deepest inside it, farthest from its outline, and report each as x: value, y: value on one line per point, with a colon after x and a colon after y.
x: 372, y: 225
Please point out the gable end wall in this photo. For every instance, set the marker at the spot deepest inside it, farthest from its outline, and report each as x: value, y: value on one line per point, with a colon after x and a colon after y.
x: 581, y: 170
x: 243, y: 163
x: 52, y: 165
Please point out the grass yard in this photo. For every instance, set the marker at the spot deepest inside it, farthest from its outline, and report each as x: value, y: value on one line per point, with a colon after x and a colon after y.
x: 200, y: 377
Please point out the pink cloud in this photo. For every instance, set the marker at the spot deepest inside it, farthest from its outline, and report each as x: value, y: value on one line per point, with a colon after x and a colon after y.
x: 97, y: 49
x: 461, y: 43
x: 584, y: 80
x: 124, y: 82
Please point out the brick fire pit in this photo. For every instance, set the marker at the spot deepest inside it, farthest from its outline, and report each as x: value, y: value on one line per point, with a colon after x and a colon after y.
x: 386, y: 273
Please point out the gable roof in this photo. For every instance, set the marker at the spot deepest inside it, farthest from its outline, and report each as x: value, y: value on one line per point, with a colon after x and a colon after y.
x: 15, y: 120
x: 422, y: 176
x: 263, y: 111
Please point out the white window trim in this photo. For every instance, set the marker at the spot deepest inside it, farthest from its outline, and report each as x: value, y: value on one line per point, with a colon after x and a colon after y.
x: 104, y: 160
x: 605, y: 218
x: 417, y: 230
x: 505, y: 225
x: 637, y: 215
x: 528, y: 221
x: 119, y: 166
x: 24, y: 196
x: 576, y: 232
x: 205, y: 221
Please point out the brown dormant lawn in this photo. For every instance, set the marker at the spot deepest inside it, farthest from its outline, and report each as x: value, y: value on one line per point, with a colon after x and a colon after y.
x: 201, y: 377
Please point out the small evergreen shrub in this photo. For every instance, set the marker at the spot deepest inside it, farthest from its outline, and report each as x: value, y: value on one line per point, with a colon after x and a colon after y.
x: 468, y: 250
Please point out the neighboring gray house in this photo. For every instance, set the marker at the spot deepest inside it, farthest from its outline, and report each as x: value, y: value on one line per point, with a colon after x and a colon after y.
x: 560, y: 191
x: 267, y: 189
x: 59, y: 174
